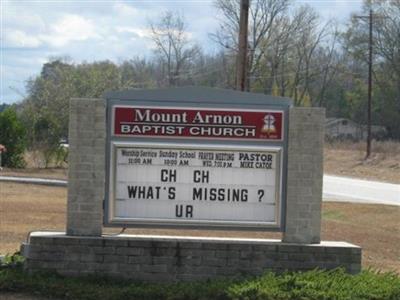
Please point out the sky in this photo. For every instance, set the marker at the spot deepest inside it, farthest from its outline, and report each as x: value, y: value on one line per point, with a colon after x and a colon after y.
x: 33, y: 31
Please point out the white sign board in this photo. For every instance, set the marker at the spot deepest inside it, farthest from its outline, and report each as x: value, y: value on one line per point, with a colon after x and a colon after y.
x: 195, y: 184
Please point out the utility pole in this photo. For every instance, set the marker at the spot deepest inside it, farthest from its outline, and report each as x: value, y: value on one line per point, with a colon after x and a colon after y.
x: 369, y: 136
x: 241, y: 62
x: 369, y: 87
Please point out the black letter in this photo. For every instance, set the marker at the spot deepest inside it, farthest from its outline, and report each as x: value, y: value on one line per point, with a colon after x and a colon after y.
x: 171, y: 193
x: 178, y: 210
x: 164, y: 175
x: 189, y: 211
x: 132, y: 191
x: 196, y: 193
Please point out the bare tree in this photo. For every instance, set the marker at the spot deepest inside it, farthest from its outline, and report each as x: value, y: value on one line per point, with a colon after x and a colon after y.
x: 308, y: 39
x: 263, y: 15
x: 174, y: 50
x: 289, y: 57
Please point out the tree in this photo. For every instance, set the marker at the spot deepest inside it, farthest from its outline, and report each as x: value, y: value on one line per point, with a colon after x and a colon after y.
x: 138, y: 73
x: 3, y: 106
x: 50, y: 92
x: 45, y: 112
x: 174, y: 50
x: 286, y: 48
x: 12, y: 136
x: 47, y: 136
x: 94, y: 79
x: 386, y: 63
x: 263, y: 17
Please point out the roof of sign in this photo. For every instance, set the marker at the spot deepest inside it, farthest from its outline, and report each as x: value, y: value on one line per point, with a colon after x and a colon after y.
x: 199, y: 95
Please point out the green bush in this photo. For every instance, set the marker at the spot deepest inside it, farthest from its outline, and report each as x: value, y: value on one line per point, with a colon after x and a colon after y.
x: 47, y: 139
x: 12, y: 261
x: 12, y: 135
x: 321, y: 285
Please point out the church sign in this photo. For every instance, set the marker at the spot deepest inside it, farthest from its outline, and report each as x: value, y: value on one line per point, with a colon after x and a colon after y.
x: 208, y: 167
x: 198, y: 123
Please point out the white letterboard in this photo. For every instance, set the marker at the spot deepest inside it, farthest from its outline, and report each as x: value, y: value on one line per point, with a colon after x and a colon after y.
x: 196, y: 186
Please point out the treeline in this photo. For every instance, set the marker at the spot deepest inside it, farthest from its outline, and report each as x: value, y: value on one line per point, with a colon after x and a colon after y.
x: 292, y: 53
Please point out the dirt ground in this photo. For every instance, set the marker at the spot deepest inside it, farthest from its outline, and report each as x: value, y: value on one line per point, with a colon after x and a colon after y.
x: 348, y: 159
x: 374, y: 227
x: 24, y: 208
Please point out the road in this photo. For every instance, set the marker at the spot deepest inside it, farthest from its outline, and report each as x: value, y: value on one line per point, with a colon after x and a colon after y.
x: 357, y: 190
x: 335, y: 188
x: 34, y: 180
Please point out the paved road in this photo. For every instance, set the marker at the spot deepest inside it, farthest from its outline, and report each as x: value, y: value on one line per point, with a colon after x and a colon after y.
x: 335, y: 189
x: 43, y: 181
x: 356, y: 190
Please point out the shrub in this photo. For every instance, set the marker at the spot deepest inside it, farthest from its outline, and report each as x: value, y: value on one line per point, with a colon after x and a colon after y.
x: 317, y: 284
x: 12, y: 136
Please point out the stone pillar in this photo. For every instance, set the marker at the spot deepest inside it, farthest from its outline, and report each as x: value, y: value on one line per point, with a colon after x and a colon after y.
x: 304, y: 179
x: 86, y: 160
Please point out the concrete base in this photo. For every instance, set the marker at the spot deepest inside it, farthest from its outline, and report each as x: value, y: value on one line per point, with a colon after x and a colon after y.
x: 173, y: 258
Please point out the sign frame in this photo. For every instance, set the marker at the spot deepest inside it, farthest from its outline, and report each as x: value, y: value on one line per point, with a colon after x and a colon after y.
x: 188, y: 223
x: 209, y: 99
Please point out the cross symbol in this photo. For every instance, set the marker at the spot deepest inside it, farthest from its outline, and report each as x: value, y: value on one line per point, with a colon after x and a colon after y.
x: 269, y: 121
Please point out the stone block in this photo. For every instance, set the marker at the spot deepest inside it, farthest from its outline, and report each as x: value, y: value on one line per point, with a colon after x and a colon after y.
x: 115, y: 242
x: 94, y: 255
x: 159, y: 268
x: 214, y: 262
x: 226, y: 254
x: 304, y: 184
x: 91, y: 258
x: 189, y: 261
x: 289, y: 248
x: 91, y: 242
x: 128, y: 268
x: 139, y: 260
x: 129, y: 251
x: 215, y: 246
x: 86, y: 159
x: 140, y: 243
x: 112, y: 258
x: 103, y: 249
x: 194, y: 245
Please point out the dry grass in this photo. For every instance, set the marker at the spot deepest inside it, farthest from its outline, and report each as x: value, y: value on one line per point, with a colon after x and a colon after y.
x: 35, y: 159
x: 24, y: 208
x: 385, y: 147
x: 373, y: 227
x: 348, y: 159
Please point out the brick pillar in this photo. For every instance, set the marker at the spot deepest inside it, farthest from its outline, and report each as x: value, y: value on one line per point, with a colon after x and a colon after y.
x: 86, y: 162
x: 305, y: 171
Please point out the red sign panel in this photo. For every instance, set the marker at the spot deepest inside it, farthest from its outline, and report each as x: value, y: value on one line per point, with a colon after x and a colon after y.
x: 198, y: 123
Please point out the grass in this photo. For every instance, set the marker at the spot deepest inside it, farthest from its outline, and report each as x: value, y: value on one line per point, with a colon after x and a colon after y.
x: 24, y: 208
x: 314, y: 284
x: 332, y: 215
x: 348, y: 159
x: 373, y: 227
